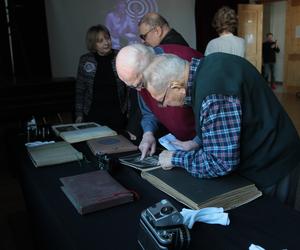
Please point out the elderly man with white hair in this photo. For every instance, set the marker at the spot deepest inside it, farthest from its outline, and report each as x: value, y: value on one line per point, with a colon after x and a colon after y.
x: 241, y: 124
x: 131, y: 62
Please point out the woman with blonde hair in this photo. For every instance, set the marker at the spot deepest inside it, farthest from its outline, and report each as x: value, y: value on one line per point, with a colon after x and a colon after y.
x: 100, y: 95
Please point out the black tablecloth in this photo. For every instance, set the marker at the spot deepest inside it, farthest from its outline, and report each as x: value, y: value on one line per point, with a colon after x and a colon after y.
x: 264, y: 222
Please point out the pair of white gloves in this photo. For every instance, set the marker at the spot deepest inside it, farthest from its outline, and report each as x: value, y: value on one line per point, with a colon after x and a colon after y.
x: 210, y: 215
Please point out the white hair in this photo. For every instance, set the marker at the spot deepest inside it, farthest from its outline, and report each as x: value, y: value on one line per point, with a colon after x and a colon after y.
x: 164, y: 69
x: 139, y: 57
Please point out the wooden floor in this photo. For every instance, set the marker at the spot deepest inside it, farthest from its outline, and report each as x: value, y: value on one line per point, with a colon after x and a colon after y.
x: 291, y: 103
x: 15, y: 228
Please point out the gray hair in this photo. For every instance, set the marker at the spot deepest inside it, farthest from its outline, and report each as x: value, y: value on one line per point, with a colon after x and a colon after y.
x: 139, y: 57
x: 136, y: 56
x: 164, y: 69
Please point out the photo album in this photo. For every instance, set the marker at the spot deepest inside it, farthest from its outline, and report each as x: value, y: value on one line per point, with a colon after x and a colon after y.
x: 134, y: 161
x: 77, y: 132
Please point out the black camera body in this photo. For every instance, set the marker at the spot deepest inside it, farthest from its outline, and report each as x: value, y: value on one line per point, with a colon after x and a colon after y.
x: 161, y: 227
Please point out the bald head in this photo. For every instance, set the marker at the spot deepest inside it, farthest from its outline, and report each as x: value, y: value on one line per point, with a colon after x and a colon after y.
x: 131, y: 61
x: 153, y: 28
x: 153, y: 19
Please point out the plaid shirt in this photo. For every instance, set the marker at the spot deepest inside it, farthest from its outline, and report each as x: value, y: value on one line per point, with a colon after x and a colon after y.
x: 194, y: 64
x: 219, y: 148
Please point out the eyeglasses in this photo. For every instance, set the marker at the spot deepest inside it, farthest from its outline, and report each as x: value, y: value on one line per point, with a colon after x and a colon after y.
x: 144, y: 36
x: 161, y: 103
x: 139, y: 86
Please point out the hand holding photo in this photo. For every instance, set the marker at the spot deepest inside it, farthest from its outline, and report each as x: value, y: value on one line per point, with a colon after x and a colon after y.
x: 167, y: 142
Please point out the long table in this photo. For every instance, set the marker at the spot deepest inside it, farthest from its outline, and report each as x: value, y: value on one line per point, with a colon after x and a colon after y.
x: 265, y: 221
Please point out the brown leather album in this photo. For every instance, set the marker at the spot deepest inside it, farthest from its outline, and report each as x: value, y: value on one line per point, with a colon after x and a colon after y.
x: 111, y: 145
x: 93, y: 191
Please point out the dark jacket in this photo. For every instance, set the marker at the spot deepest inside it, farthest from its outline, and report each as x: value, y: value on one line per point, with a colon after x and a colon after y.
x: 173, y: 37
x: 269, y: 53
x: 85, y: 82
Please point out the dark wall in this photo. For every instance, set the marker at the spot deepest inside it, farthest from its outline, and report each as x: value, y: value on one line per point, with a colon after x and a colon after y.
x: 5, y: 62
x: 28, y: 89
x: 29, y: 39
x: 204, y: 13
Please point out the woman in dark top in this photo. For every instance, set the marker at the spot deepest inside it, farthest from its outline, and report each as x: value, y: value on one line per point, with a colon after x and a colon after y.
x: 101, y: 96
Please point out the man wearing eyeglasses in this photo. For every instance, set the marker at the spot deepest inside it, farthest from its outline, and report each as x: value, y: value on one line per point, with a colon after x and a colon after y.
x: 155, y: 30
x: 239, y: 121
x: 130, y: 64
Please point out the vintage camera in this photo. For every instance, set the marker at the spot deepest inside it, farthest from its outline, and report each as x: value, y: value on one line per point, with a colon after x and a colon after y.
x: 161, y: 227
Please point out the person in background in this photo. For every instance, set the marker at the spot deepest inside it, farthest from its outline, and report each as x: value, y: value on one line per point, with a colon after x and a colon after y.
x: 225, y: 23
x: 131, y: 61
x: 269, y: 50
x: 101, y: 96
x: 240, y: 123
x: 155, y: 30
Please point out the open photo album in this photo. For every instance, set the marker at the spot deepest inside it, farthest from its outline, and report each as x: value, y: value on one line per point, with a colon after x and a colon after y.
x: 134, y: 161
x: 77, y: 132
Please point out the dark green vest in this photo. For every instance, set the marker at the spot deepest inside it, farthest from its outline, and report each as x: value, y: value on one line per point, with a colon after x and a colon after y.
x: 269, y: 143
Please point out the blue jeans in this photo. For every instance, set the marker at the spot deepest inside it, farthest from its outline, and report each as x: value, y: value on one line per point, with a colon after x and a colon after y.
x: 269, y: 70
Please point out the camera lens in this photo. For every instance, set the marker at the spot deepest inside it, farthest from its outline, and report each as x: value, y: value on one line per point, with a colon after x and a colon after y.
x: 166, y: 210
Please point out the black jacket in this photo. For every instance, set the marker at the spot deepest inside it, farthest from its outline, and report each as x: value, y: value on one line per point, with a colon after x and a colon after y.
x: 269, y: 55
x: 173, y: 37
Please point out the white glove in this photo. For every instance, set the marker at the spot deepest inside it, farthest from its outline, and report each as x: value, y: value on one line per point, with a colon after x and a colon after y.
x: 255, y: 247
x: 210, y: 215
x: 147, y: 145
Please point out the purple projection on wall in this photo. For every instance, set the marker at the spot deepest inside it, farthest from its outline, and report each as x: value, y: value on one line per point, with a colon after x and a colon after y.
x: 122, y: 21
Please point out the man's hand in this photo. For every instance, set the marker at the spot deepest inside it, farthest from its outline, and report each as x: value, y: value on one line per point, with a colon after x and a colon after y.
x: 164, y: 159
x: 186, y: 145
x: 147, y: 145
x: 131, y: 136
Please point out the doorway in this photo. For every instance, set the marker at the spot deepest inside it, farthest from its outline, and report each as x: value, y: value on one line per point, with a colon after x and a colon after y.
x: 274, y: 21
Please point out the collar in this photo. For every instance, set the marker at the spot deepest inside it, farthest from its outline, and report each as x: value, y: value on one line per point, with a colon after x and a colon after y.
x: 226, y: 35
x: 194, y: 64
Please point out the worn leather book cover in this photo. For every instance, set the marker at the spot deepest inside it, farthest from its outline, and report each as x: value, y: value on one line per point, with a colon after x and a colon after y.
x: 53, y: 153
x: 228, y: 191
x: 111, y: 145
x: 93, y: 191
